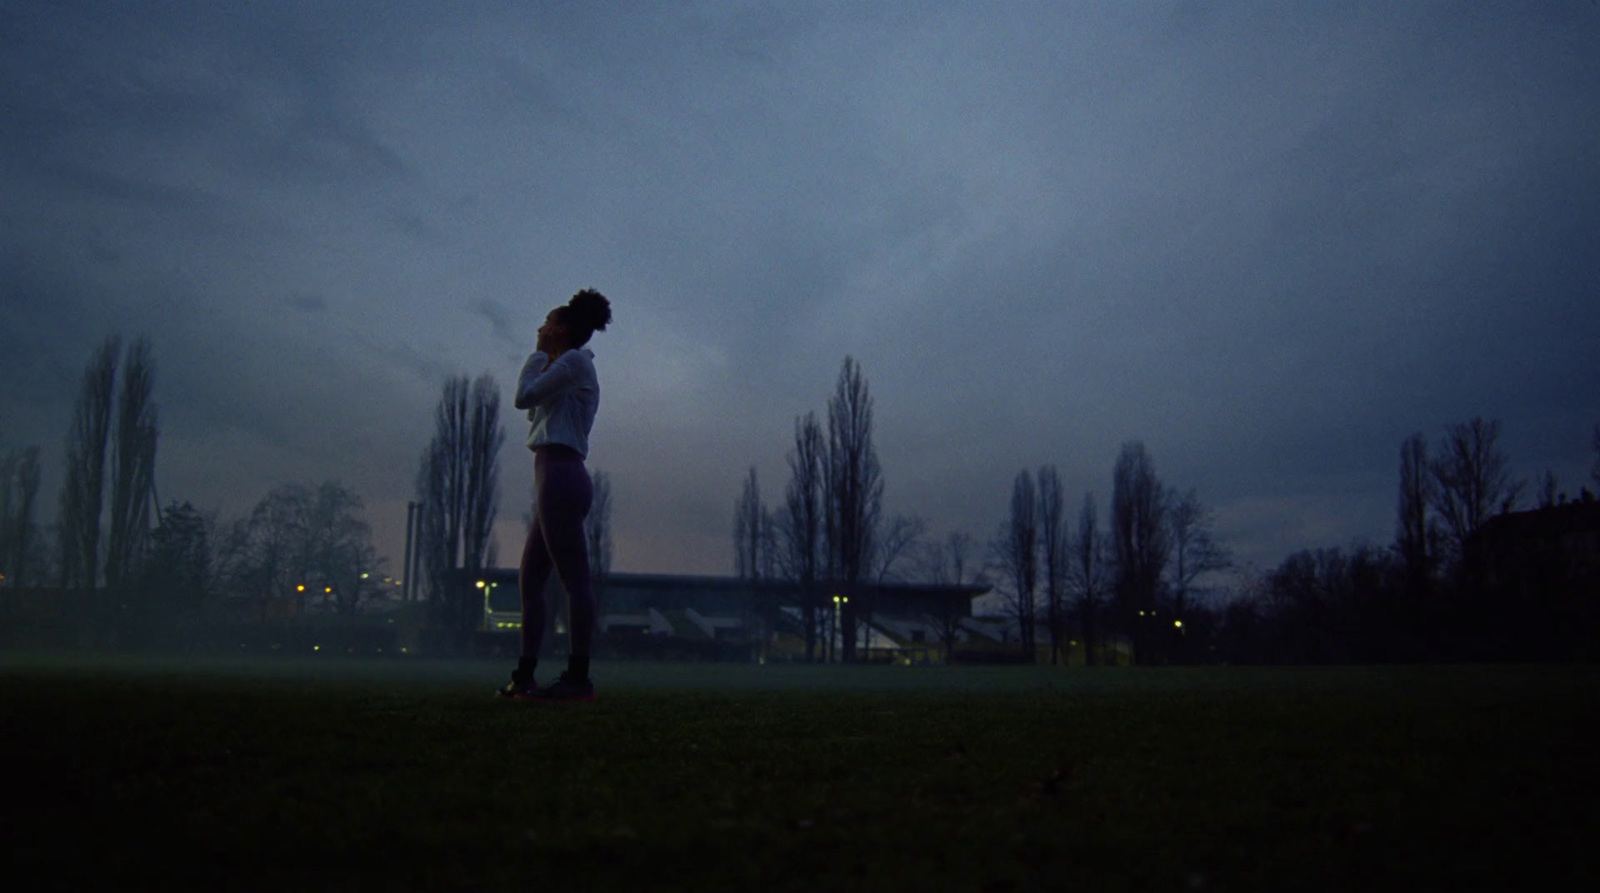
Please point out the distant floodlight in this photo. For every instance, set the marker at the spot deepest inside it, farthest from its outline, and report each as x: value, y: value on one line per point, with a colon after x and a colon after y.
x: 1178, y: 624
x: 480, y: 584
x: 300, y: 588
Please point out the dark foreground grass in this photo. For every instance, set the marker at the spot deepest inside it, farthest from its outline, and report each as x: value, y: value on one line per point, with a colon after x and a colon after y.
x: 407, y: 776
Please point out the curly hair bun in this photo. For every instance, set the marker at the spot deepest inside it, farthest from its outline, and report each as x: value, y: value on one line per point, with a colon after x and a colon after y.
x: 590, y: 309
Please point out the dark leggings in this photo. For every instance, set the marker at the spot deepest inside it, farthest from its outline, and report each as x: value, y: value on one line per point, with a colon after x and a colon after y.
x: 564, y: 495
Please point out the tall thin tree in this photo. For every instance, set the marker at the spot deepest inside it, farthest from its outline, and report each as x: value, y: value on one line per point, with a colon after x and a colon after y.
x: 133, y: 460
x: 458, y: 485
x: 854, y: 491
x: 1088, y: 575
x: 803, y: 525
x: 597, y: 531
x: 1414, y: 532
x: 1015, y: 552
x: 1594, y: 472
x: 83, y: 491
x: 480, y: 501
x: 1139, y: 543
x: 1052, y: 552
x: 19, y: 491
x: 747, y: 515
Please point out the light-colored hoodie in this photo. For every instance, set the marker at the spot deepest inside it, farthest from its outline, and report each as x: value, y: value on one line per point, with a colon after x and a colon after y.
x: 560, y: 397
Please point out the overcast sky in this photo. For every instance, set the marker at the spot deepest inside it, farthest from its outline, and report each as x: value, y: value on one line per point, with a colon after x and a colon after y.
x: 1270, y: 240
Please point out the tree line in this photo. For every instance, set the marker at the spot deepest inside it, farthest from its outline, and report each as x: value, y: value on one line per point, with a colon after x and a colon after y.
x: 830, y: 534
x: 1141, y: 574
x: 144, y: 574
x: 1471, y: 573
x: 458, y: 496
x: 1147, y: 573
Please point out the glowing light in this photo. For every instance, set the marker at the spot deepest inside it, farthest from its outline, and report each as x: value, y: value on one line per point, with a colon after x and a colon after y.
x: 300, y: 588
x: 363, y: 576
x: 327, y: 589
x: 316, y: 647
x: 480, y: 584
x: 1178, y: 624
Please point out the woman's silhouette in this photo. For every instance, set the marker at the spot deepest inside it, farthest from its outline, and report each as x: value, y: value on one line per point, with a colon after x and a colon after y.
x: 559, y: 390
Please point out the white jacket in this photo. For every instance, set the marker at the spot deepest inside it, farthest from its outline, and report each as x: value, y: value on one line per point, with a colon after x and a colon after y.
x: 560, y: 397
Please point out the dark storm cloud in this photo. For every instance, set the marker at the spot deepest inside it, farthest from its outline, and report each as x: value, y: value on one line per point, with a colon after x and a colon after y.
x: 499, y: 319
x: 1270, y: 241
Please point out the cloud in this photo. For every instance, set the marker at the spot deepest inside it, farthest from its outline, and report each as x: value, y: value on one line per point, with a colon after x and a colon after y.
x: 307, y: 303
x: 1271, y: 243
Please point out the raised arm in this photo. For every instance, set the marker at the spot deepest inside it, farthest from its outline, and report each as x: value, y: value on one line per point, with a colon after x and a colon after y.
x: 541, y: 379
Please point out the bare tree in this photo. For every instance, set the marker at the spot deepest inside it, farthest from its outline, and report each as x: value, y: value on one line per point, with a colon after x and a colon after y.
x: 1594, y: 472
x: 1088, y: 574
x: 1195, y: 553
x: 803, y: 521
x: 747, y: 529
x: 1416, y: 541
x: 1052, y: 550
x: 19, y: 491
x: 457, y: 484
x: 1549, y: 488
x: 597, y: 531
x: 480, y: 502
x: 301, y: 543
x: 1413, y: 537
x: 263, y: 556
x: 83, y: 490
x: 897, y: 542
x: 1139, y: 542
x: 133, y: 461
x: 771, y: 553
x: 1195, y: 549
x: 339, y: 556
x: 853, y: 491
x: 178, y: 578
x: 946, y: 564
x: 1015, y: 554
x: 1473, y: 480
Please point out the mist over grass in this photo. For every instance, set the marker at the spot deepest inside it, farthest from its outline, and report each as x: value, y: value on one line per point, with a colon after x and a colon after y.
x: 627, y: 677
x: 338, y: 774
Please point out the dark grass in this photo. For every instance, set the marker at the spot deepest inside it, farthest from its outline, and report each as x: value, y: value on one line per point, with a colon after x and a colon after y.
x: 296, y: 775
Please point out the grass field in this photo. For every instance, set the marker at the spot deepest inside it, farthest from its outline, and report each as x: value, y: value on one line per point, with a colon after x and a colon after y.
x: 311, y: 775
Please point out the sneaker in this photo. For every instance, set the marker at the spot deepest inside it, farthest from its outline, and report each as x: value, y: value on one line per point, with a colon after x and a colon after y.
x: 519, y: 688
x: 566, y: 688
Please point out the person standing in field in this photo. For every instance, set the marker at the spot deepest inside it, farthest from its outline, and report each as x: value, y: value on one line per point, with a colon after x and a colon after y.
x: 559, y: 390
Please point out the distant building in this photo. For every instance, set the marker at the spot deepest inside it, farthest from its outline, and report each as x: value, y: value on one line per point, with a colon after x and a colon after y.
x: 732, y: 618
x: 1536, y: 578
